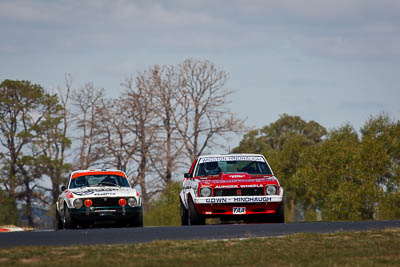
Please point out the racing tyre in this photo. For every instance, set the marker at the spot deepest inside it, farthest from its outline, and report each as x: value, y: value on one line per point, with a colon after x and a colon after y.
x: 184, y: 215
x: 279, y: 217
x: 194, y: 217
x: 138, y: 220
x: 59, y: 223
x: 68, y: 222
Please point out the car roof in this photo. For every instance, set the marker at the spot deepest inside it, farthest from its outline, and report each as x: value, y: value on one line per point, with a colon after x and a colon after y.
x: 97, y: 170
x: 231, y: 155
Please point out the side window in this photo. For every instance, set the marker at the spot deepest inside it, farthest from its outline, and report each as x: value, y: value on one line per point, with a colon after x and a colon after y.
x: 264, y: 168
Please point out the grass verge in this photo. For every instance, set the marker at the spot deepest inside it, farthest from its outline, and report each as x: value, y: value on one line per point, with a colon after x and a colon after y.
x: 369, y: 248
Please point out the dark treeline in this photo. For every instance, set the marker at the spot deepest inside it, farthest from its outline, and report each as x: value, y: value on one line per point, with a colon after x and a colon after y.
x: 163, y: 119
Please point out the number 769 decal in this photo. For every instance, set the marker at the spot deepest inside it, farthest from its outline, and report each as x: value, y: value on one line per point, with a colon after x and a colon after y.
x: 239, y: 210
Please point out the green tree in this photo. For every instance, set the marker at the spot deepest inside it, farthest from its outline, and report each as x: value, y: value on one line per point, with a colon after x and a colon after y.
x: 277, y: 133
x: 8, y: 209
x: 381, y: 157
x: 24, y: 113
x: 334, y: 180
x: 19, y: 100
x: 285, y: 163
x: 253, y: 142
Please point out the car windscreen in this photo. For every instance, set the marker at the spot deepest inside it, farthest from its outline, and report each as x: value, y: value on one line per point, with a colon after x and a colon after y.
x: 232, y: 166
x: 99, y: 180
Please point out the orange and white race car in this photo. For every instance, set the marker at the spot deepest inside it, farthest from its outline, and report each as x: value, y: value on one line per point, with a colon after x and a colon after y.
x: 94, y: 196
x: 231, y: 187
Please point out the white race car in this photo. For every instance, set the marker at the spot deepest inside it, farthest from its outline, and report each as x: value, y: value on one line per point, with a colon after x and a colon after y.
x: 94, y: 196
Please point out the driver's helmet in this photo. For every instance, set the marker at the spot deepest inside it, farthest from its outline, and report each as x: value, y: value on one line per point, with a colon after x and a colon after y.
x: 211, y: 166
x: 81, y: 181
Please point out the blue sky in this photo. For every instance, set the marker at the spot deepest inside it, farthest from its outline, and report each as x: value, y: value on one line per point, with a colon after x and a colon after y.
x: 330, y: 61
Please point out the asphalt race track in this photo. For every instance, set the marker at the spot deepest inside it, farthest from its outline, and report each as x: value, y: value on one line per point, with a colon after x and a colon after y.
x: 205, y: 232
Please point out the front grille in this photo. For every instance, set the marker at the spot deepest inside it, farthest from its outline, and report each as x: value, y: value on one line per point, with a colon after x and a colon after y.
x: 105, y: 202
x: 258, y: 191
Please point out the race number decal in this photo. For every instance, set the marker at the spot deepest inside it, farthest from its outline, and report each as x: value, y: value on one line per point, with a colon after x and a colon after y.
x: 239, y: 210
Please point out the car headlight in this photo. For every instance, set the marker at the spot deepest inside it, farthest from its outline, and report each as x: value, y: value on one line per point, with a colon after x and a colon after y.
x: 205, y: 192
x: 132, y: 202
x: 270, y: 190
x: 78, y: 203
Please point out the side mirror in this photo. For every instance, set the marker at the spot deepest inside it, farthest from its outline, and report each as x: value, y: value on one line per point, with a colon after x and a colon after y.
x: 63, y: 188
x: 187, y: 175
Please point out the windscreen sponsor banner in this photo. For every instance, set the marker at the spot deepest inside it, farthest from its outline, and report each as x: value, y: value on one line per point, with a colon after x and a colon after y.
x: 232, y: 158
x: 238, y: 186
x: 237, y: 199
